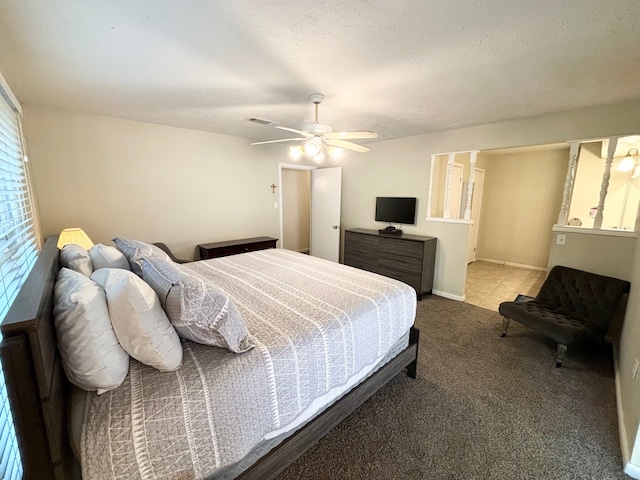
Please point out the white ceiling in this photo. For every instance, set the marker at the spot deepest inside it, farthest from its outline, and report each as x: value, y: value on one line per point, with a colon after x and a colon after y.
x: 397, y: 67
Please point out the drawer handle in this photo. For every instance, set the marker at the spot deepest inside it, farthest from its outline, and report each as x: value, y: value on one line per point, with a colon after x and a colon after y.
x: 246, y: 249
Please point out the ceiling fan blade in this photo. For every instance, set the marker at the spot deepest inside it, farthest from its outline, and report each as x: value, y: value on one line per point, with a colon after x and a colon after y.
x: 350, y: 135
x: 347, y: 145
x: 299, y: 132
x: 277, y: 141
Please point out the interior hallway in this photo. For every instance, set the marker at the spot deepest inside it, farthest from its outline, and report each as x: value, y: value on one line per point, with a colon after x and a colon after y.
x: 489, y: 284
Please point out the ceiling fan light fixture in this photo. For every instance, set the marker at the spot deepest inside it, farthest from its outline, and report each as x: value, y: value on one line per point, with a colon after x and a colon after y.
x: 312, y: 147
x: 319, y: 157
x: 295, y: 152
x: 335, y: 153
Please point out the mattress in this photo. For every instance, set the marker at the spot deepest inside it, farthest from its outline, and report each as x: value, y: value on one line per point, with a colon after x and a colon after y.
x: 319, y: 328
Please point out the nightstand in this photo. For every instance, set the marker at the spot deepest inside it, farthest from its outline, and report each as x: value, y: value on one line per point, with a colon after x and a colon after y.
x: 233, y: 247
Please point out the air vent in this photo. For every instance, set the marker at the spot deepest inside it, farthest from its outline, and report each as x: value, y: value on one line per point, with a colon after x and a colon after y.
x: 262, y: 121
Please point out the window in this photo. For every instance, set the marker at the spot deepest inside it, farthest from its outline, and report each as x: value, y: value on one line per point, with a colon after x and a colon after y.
x: 602, y: 188
x: 451, y: 185
x: 18, y: 251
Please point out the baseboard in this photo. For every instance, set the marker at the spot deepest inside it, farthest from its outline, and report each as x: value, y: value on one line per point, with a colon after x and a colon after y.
x: 624, y: 445
x: 511, y: 264
x: 450, y: 296
x: 632, y: 470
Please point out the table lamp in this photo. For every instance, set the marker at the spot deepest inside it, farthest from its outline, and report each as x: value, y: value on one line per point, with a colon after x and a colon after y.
x: 74, y: 235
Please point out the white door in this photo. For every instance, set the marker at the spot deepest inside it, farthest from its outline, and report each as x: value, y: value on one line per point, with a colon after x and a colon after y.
x: 326, y: 188
x: 476, y: 206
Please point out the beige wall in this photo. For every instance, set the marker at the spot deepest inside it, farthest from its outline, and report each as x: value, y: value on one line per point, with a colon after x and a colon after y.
x: 156, y: 183
x: 451, y: 256
x: 401, y: 167
x: 296, y: 194
x: 592, y: 252
x: 522, y: 196
x: 628, y: 352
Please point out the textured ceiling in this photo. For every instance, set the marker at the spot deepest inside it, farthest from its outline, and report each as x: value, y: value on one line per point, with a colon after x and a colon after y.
x: 397, y: 67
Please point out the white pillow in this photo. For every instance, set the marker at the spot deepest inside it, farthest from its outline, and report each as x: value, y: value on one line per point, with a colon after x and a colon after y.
x: 91, y: 356
x: 141, y: 325
x: 104, y: 256
x: 76, y: 258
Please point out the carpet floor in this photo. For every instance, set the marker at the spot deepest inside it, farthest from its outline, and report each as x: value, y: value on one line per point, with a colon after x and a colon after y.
x: 482, y: 407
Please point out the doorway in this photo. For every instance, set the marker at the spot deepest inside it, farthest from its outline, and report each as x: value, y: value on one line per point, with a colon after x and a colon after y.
x: 312, y: 213
x: 295, y: 207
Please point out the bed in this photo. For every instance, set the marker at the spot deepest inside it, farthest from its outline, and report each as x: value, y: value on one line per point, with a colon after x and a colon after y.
x: 330, y: 385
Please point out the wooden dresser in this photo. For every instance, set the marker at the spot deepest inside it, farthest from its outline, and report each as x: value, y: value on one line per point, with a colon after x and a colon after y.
x: 408, y: 258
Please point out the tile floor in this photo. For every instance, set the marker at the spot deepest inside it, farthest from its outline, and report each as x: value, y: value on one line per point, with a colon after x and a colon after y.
x: 489, y: 284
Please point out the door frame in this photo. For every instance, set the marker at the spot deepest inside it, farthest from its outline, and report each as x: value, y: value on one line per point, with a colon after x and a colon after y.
x: 289, y: 166
x: 476, y: 206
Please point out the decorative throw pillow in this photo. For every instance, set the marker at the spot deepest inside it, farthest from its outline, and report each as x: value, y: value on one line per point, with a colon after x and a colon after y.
x: 91, y: 356
x: 198, y: 309
x: 135, y: 251
x: 76, y: 258
x: 104, y: 256
x: 160, y: 275
x: 141, y: 325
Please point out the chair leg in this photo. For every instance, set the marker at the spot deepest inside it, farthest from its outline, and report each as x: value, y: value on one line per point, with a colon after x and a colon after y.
x: 561, y: 351
x: 505, y: 325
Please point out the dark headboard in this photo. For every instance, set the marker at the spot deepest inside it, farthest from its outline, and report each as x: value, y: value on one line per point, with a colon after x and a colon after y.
x: 36, y: 384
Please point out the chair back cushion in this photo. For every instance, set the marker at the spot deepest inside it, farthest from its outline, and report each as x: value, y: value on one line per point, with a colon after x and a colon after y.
x: 588, y: 298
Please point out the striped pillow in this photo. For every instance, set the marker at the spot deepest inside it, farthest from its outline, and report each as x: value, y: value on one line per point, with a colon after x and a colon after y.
x: 135, y: 251
x: 197, y: 309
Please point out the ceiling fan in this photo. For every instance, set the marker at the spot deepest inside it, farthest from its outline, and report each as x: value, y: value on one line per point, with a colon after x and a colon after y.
x: 319, y: 138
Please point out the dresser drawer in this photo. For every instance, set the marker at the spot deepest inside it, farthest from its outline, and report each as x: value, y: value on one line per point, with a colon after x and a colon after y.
x: 400, y: 263
x: 356, y: 240
x: 357, y: 262
x: 405, y: 249
x: 413, y: 279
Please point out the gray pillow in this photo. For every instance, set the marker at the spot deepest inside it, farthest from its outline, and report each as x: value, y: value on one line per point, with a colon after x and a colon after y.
x: 138, y: 320
x: 76, y: 258
x: 91, y: 355
x: 135, y: 251
x: 199, y: 310
x: 104, y: 256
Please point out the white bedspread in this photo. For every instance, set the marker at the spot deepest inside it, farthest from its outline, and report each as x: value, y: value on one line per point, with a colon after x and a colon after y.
x: 318, y: 327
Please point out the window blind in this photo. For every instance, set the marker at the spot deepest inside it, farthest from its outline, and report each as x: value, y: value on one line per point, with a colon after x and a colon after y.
x: 18, y: 252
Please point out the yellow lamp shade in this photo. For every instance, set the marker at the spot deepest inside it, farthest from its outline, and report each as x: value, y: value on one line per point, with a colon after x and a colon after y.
x: 74, y: 235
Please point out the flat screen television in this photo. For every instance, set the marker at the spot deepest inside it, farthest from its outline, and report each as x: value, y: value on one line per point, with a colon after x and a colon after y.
x: 396, y: 210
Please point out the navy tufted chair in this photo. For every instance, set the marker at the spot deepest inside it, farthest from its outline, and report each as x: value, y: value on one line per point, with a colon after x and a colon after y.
x: 571, y: 306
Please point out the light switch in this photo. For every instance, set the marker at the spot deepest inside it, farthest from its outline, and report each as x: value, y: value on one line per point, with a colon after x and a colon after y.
x: 275, y: 205
x: 561, y: 239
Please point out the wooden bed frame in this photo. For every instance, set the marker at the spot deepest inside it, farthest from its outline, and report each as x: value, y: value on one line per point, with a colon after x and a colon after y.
x: 38, y: 389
